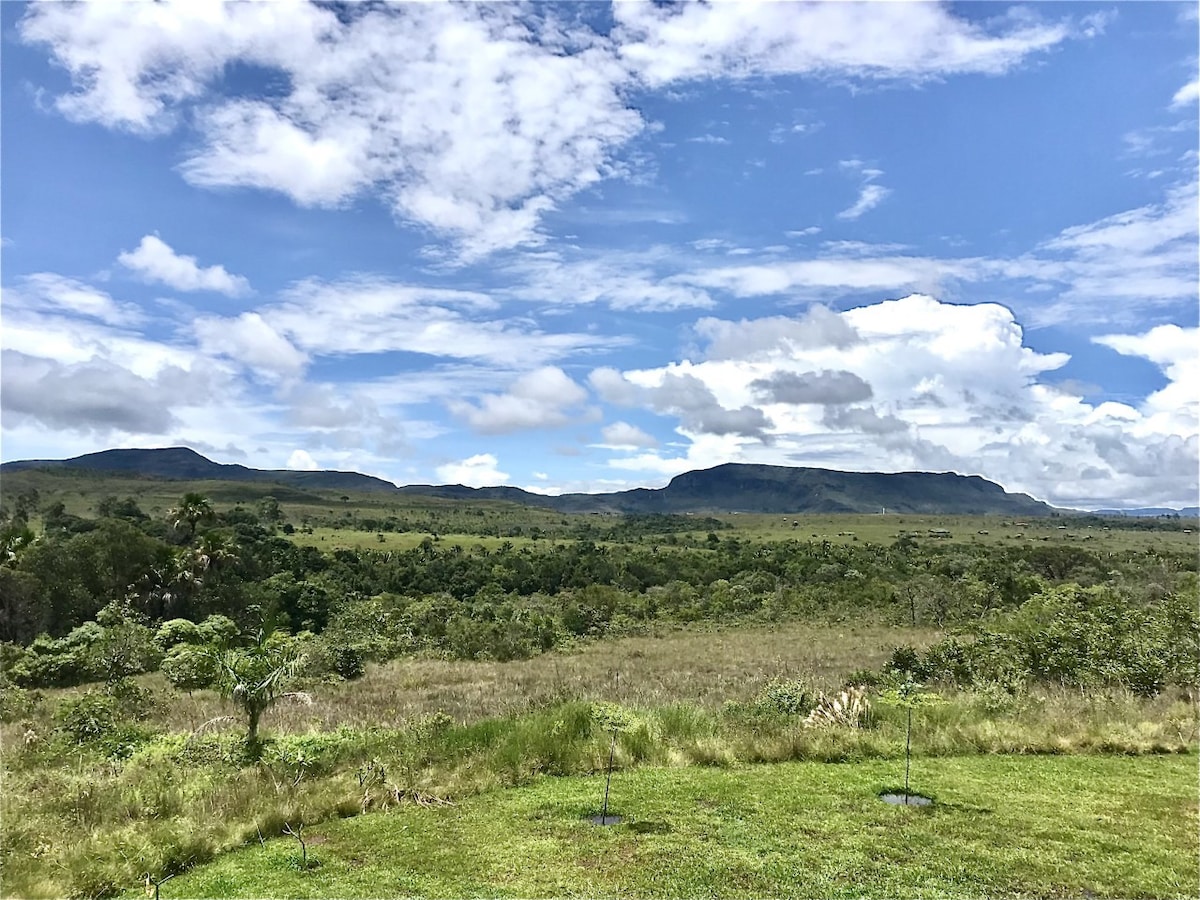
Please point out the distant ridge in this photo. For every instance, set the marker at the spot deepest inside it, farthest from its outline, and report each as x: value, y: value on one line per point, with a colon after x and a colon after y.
x: 732, y: 487
x: 185, y: 464
x: 1187, y: 512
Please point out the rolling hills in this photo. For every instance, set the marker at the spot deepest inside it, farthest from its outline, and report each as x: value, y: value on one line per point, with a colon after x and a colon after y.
x: 732, y: 487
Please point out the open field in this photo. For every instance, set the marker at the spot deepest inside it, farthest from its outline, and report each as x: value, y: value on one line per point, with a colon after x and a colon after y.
x: 1000, y: 826
x: 698, y: 665
x: 338, y: 523
x: 484, y: 647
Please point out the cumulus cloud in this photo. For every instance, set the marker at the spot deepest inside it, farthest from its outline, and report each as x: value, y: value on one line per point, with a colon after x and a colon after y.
x: 480, y: 470
x: 94, y: 397
x: 817, y: 327
x: 951, y: 387
x: 824, y: 387
x: 473, y: 120
x: 156, y: 262
x: 1175, y: 408
x: 679, y: 393
x: 543, y: 398
x: 302, y: 460
x: 622, y: 435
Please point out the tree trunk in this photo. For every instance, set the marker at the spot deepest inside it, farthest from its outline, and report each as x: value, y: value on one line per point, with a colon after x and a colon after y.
x: 252, y: 731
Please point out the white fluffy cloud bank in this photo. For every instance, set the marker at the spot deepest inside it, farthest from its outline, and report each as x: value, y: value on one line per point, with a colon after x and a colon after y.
x: 472, y: 120
x: 920, y: 384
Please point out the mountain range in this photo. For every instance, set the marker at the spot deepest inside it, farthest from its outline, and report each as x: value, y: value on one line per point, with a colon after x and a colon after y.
x: 732, y: 487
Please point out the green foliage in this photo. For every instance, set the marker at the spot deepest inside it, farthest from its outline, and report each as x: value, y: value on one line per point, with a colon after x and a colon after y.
x: 97, y: 714
x: 190, y: 668
x: 908, y: 694
x: 256, y: 677
x: 791, y: 697
x: 611, y: 717
x: 217, y: 630
x: 177, y: 631
x: 348, y: 662
x: 193, y: 508
x: 17, y: 703
x: 1085, y: 637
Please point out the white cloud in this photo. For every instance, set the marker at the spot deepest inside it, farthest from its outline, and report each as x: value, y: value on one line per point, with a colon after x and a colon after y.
x: 480, y: 470
x: 374, y: 315
x: 869, y: 197
x: 619, y: 280
x: 248, y: 339
x: 302, y: 460
x: 97, y: 396
x: 543, y: 398
x: 831, y: 275
x: 1186, y: 95
x: 1176, y: 351
x: 58, y: 294
x: 950, y: 388
x: 1144, y: 256
x: 748, y: 338
x: 623, y: 436
x: 676, y: 391
x: 910, y: 41
x: 155, y: 261
x: 473, y: 120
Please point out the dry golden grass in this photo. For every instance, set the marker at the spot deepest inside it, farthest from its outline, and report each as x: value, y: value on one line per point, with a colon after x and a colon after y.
x: 685, y: 665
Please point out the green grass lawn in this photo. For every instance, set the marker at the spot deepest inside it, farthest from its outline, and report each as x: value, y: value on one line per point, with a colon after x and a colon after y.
x: 1012, y: 826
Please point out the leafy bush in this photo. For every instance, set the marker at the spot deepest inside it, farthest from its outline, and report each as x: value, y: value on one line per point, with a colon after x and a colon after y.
x: 348, y: 662
x: 793, y: 697
x: 177, y: 631
x: 1081, y: 637
x: 98, y: 713
x: 189, y: 668
x: 17, y: 703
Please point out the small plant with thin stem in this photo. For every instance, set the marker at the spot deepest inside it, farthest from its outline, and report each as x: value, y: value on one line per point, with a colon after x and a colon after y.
x: 908, y: 695
x: 611, y: 718
x: 153, y: 886
x: 298, y: 834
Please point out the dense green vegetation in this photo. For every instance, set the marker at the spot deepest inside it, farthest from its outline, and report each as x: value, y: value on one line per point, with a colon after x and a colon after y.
x: 430, y: 652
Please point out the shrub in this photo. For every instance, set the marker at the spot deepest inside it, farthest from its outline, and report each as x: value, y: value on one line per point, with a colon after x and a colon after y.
x: 793, y: 697
x: 98, y: 713
x: 348, y: 662
x: 177, y: 631
x: 17, y: 703
x: 189, y: 668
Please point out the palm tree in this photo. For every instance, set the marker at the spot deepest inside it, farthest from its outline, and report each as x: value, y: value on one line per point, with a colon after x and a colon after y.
x: 193, y: 508
x: 255, y: 678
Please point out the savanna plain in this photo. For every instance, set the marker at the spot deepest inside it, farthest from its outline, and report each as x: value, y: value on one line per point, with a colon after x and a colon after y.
x: 249, y: 690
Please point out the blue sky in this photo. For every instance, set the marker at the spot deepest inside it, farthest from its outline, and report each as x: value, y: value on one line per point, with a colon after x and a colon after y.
x: 584, y: 247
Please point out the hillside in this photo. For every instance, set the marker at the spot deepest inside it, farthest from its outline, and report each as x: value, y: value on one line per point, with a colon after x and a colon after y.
x: 185, y: 464
x: 733, y: 487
